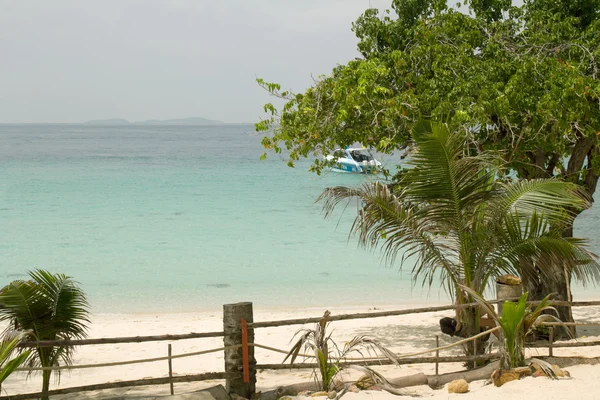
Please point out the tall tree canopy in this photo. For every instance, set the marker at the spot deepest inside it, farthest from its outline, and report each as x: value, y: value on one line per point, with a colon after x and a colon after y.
x: 520, y: 79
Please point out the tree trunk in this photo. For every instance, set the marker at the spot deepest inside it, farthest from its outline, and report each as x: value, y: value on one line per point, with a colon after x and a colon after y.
x: 470, y: 327
x: 45, y: 384
x: 553, y: 280
x: 559, y: 278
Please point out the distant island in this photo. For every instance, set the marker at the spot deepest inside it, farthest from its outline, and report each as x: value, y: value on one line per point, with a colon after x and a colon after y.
x: 179, y: 121
x: 112, y: 121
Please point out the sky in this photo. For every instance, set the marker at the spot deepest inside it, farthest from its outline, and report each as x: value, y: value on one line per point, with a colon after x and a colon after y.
x: 73, y: 61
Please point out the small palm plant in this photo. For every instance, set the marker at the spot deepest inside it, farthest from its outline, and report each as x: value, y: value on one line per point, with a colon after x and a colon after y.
x: 50, y: 307
x: 330, y: 359
x: 7, y: 348
x: 517, y: 321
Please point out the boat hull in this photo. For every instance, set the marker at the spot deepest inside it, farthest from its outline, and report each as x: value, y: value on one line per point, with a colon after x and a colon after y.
x: 346, y: 168
x: 349, y: 166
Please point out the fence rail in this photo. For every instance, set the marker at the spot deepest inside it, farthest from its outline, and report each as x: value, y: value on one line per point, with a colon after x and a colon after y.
x: 115, y: 385
x: 343, y: 317
x: 131, y: 339
x: 403, y: 361
x: 240, y: 365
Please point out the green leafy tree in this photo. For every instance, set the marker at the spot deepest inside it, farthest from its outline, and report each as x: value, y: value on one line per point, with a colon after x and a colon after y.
x: 8, y: 363
x: 50, y: 307
x: 521, y: 79
x: 450, y: 215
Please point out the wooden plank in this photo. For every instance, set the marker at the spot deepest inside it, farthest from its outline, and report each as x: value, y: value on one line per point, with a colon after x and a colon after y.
x: 342, y: 317
x: 567, y: 344
x: 570, y: 323
x: 113, y: 385
x: 132, y: 339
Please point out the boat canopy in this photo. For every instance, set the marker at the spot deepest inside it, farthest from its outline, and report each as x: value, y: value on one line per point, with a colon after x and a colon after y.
x: 360, y: 155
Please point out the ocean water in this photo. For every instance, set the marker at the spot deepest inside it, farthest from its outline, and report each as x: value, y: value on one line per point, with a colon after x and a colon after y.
x: 183, y: 218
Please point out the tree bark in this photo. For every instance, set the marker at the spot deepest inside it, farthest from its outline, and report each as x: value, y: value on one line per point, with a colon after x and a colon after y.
x: 591, y: 178
x: 559, y: 277
x: 234, y: 357
x: 558, y: 281
x: 45, y: 384
x: 470, y: 322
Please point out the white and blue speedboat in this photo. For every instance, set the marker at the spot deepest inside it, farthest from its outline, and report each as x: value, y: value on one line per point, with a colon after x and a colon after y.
x: 355, y: 160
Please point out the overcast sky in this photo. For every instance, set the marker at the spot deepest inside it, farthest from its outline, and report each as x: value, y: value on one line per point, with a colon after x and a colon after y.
x: 72, y: 61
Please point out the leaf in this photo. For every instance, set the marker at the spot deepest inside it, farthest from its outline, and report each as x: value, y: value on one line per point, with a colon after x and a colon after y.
x: 12, y: 365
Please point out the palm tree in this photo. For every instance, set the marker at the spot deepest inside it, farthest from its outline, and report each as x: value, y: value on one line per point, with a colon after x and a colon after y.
x: 51, y: 307
x: 455, y: 219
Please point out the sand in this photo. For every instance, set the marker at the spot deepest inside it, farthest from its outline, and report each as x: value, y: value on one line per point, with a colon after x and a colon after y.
x: 402, y: 334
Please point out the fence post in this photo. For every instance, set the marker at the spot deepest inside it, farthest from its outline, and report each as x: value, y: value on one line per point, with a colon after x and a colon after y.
x: 437, y: 354
x: 475, y: 353
x: 171, y: 371
x: 550, y: 340
x: 234, y: 357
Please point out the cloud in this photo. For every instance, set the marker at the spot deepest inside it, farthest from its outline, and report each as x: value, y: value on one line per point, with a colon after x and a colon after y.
x: 70, y: 61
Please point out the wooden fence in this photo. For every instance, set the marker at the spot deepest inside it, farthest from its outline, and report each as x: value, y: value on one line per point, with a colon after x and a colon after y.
x: 240, y: 363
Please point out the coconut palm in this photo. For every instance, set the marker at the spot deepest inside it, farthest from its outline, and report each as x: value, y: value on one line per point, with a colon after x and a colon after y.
x: 516, y: 322
x: 455, y: 219
x: 8, y: 363
x: 50, y: 307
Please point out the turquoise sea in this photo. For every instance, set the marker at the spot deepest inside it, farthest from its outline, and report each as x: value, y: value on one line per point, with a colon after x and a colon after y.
x: 184, y: 218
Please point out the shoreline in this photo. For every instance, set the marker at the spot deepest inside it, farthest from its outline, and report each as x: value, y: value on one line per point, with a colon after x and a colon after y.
x: 338, y: 307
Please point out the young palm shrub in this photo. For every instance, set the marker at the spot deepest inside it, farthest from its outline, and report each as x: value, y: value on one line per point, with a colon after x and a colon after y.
x: 517, y: 321
x: 50, y: 307
x: 329, y: 357
x: 455, y: 220
x: 8, y: 363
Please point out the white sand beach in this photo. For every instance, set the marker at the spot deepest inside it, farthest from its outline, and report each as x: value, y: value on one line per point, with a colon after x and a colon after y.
x: 403, y: 334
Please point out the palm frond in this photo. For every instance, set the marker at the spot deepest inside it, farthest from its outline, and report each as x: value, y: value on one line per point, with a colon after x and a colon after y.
x: 380, y: 381
x: 305, y: 340
x: 401, y: 226
x: 557, y: 200
x: 546, y: 367
x: 8, y: 347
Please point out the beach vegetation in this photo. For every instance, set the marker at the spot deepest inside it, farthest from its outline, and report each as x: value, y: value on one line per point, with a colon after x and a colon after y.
x: 330, y: 358
x: 9, y: 361
x: 516, y: 322
x: 517, y: 77
x: 48, y: 307
x: 458, y: 219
